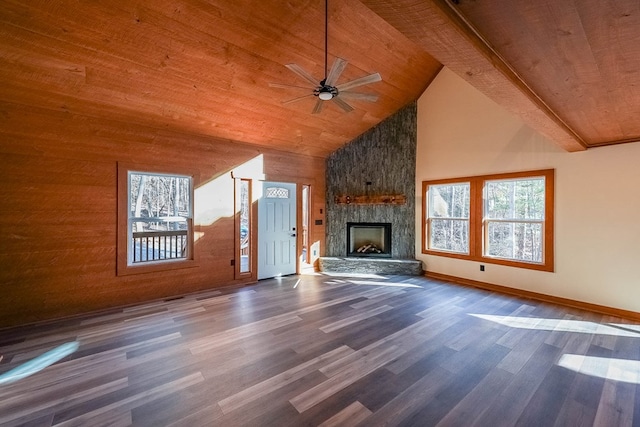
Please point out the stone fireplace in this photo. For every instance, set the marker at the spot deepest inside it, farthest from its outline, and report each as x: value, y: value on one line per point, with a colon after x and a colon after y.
x: 371, y: 184
x: 369, y: 239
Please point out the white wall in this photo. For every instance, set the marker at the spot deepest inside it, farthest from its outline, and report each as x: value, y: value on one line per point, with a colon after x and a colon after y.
x: 461, y: 132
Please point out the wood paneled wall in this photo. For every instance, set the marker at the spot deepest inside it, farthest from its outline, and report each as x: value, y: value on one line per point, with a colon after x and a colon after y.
x: 58, y: 183
x: 381, y: 161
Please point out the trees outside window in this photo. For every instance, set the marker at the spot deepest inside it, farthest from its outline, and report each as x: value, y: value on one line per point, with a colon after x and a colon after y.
x: 449, y: 217
x: 503, y: 219
x: 243, y: 227
x: 514, y: 217
x: 155, y: 220
x: 159, y: 217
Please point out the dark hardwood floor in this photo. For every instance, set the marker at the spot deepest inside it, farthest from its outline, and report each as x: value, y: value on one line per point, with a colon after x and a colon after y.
x: 330, y: 351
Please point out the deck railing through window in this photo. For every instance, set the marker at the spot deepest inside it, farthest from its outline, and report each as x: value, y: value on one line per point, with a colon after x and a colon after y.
x: 244, y: 246
x: 159, y: 245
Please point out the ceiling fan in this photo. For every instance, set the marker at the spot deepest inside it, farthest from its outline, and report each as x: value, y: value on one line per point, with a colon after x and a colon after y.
x: 327, y: 89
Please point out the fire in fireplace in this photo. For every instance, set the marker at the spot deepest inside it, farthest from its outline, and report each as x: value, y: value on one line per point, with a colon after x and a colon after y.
x: 369, y: 239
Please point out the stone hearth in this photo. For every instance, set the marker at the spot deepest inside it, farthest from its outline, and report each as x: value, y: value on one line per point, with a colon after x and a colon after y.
x: 407, y: 267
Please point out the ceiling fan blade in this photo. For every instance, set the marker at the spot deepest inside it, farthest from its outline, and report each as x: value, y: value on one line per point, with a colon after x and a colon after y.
x: 302, y: 73
x: 286, y: 86
x: 371, y: 78
x: 336, y: 69
x: 359, y: 96
x: 318, y: 107
x: 291, y: 101
x: 346, y: 107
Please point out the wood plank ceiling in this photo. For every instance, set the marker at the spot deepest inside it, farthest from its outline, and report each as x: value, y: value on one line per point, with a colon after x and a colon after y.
x: 204, y: 66
x: 570, y: 69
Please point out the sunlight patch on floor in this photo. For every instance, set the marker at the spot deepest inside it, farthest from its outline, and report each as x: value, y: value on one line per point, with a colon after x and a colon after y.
x: 39, y: 363
x: 622, y: 370
x: 562, y: 325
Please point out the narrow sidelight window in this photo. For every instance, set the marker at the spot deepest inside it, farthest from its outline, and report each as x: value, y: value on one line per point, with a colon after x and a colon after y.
x: 243, y: 224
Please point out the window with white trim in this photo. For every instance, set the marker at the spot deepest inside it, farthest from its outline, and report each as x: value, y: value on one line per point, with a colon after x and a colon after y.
x: 159, y: 217
x: 155, y: 220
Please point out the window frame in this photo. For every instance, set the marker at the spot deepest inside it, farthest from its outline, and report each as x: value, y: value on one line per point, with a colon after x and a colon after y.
x: 450, y: 218
x: 238, y: 273
x: 123, y: 267
x: 477, y: 221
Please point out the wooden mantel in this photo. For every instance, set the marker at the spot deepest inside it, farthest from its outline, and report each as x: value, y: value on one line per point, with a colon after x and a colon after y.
x: 385, y: 199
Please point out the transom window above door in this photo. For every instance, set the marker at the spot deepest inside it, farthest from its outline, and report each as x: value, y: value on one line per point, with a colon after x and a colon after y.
x: 276, y: 193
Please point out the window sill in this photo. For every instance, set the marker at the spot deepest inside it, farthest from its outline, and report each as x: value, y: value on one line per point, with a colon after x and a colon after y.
x: 548, y: 267
x: 152, y: 267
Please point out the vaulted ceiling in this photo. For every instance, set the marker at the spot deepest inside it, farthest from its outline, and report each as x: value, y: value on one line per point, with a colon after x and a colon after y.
x: 571, y: 69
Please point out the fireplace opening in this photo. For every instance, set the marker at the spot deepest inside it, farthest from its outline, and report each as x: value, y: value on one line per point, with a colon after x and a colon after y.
x: 369, y: 239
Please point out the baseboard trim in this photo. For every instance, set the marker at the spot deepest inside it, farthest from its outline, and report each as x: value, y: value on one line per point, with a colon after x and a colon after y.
x: 601, y: 309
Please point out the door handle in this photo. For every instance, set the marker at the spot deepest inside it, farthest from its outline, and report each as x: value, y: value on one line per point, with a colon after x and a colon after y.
x: 293, y: 235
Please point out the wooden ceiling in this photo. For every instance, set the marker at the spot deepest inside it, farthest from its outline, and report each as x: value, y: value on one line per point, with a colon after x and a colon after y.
x: 569, y: 69
x: 204, y: 66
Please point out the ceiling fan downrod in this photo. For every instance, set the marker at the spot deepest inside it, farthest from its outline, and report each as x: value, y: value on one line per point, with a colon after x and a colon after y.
x: 325, y: 92
x: 326, y: 40
x: 328, y: 89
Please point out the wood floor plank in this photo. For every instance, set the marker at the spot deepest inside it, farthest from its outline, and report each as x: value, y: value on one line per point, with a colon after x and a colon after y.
x: 458, y: 386
x: 330, y: 350
x: 355, y: 318
x: 256, y: 391
x: 636, y: 409
x: 515, y: 397
x: 376, y: 297
x: 616, y: 407
x: 349, y: 416
x: 174, y: 407
x: 522, y: 352
x: 574, y: 413
x: 368, y: 390
x: 273, y: 408
x: 473, y: 405
x: 410, y: 401
x: 18, y: 409
x: 205, y: 416
x: 367, y: 362
x: 236, y: 334
x: 124, y: 406
x: 545, y: 404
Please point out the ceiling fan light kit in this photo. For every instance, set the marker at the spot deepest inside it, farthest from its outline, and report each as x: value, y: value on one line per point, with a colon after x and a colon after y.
x: 325, y: 93
x: 327, y: 89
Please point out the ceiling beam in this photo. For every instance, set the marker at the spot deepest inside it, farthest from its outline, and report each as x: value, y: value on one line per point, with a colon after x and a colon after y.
x: 440, y: 30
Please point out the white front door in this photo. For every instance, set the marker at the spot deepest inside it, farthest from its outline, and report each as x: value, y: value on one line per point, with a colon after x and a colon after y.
x: 277, y: 230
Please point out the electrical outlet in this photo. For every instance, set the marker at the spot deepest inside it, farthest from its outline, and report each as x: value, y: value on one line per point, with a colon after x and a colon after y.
x: 481, y: 267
